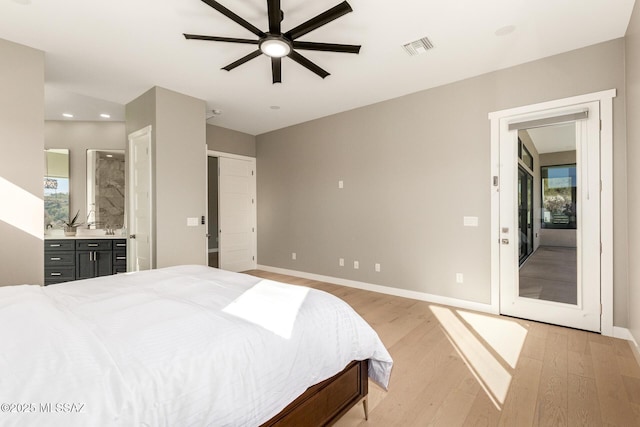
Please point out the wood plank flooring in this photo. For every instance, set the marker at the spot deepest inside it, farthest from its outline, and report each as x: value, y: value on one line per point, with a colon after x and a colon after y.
x: 562, y: 377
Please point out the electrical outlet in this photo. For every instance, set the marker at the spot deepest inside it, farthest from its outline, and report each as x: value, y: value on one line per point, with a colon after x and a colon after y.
x: 356, y: 265
x: 293, y: 255
x: 341, y: 262
x: 459, y: 278
x: 377, y: 267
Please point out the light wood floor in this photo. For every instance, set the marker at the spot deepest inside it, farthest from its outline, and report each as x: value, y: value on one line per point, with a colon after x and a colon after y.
x: 550, y: 273
x: 453, y: 367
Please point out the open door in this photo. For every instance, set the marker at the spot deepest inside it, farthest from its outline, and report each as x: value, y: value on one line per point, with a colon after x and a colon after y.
x: 237, y: 243
x: 139, y: 245
x: 550, y: 256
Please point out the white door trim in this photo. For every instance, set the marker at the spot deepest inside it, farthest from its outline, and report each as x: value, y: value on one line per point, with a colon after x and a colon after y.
x: 605, y: 98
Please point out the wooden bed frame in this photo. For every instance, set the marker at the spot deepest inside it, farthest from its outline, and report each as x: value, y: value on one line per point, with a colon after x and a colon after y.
x: 324, y: 403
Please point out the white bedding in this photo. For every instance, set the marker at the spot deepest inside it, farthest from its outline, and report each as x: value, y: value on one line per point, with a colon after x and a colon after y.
x: 180, y: 346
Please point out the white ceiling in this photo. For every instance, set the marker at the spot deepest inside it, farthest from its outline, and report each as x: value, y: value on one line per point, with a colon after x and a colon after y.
x: 554, y: 139
x: 116, y: 50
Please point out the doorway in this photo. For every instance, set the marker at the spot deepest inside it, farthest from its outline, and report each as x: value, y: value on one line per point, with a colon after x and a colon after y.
x: 140, y: 254
x: 548, y: 218
x: 231, y: 197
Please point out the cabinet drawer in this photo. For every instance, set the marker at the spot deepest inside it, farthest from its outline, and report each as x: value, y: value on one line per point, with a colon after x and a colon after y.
x: 119, y: 269
x: 59, y: 258
x: 120, y: 244
x: 59, y: 245
x: 119, y: 258
x: 59, y: 274
x: 93, y: 245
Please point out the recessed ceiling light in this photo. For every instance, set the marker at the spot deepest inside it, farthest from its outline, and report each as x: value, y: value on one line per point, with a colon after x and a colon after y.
x: 67, y: 115
x: 105, y: 116
x: 109, y: 155
x: 275, y: 107
x: 506, y: 30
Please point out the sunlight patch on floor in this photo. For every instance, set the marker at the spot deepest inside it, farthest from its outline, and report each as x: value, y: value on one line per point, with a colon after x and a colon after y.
x: 503, y: 338
x: 506, y: 337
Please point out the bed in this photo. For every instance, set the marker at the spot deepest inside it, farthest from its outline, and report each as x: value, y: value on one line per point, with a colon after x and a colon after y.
x: 181, y: 346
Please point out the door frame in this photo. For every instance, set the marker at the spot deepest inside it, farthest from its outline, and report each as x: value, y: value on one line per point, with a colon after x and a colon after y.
x: 605, y: 98
x: 218, y: 154
x: 129, y: 185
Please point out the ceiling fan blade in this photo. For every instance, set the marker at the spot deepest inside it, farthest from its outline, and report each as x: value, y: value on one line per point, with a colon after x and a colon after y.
x: 327, y: 47
x: 219, y: 39
x: 320, y: 20
x: 275, y: 16
x: 276, y: 69
x: 243, y: 60
x: 238, y: 20
x: 308, y: 64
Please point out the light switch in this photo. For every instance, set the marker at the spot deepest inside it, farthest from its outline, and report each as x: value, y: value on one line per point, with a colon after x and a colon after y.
x: 470, y: 221
x: 341, y: 184
x: 192, y: 222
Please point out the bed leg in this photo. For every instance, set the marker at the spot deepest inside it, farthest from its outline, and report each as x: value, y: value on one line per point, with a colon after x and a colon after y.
x: 365, y: 405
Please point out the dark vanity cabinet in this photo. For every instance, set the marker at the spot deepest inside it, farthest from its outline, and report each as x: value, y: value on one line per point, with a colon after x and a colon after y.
x: 75, y: 259
x: 93, y: 258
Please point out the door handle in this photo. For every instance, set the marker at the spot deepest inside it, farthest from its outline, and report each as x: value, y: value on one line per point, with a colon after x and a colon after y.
x: 505, y: 241
x: 132, y: 236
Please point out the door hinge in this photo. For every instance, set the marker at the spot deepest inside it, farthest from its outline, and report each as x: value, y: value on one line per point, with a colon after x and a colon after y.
x: 253, y: 229
x: 253, y: 258
x: 253, y: 201
x: 496, y: 181
x: 600, y: 248
x: 600, y: 124
x: 600, y: 309
x: 251, y: 173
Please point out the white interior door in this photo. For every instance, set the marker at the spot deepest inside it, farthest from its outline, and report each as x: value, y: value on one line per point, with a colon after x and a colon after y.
x: 583, y: 310
x: 237, y: 214
x: 139, y: 248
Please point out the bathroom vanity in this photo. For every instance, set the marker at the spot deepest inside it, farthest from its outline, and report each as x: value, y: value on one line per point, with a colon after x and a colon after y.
x: 75, y: 258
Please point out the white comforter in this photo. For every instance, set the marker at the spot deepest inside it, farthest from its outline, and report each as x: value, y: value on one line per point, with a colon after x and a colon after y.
x: 181, y: 346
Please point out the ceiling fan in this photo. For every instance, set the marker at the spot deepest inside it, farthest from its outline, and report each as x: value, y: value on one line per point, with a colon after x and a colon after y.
x: 276, y: 44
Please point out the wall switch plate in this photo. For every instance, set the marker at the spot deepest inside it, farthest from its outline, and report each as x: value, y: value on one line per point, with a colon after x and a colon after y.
x: 192, y: 222
x: 293, y: 255
x: 341, y: 184
x: 377, y: 267
x: 470, y: 221
x: 341, y: 262
x: 356, y: 265
x: 459, y: 278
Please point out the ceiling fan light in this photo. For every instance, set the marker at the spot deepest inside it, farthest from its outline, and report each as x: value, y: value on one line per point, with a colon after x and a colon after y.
x: 275, y: 48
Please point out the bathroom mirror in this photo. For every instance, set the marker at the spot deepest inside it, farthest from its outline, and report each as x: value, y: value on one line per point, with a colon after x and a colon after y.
x: 56, y: 187
x: 105, y: 188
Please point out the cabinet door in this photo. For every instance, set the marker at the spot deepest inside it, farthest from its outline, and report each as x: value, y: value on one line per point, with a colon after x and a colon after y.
x: 103, y: 263
x: 85, y: 267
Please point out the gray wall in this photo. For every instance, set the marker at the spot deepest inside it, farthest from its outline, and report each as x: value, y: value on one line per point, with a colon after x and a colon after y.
x: 179, y: 171
x: 633, y: 135
x: 230, y: 141
x: 412, y: 168
x: 78, y: 137
x: 21, y: 164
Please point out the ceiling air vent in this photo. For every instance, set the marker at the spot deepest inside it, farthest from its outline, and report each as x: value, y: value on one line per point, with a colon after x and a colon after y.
x: 419, y: 46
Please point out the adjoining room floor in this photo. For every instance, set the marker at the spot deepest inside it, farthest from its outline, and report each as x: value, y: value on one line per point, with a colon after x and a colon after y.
x: 454, y: 367
x: 550, y: 273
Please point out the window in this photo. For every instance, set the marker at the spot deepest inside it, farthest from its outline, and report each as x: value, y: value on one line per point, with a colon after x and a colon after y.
x: 525, y: 155
x: 559, y: 196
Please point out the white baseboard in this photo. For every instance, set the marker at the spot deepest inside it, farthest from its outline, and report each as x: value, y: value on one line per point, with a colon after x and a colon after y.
x: 625, y: 334
x: 421, y: 296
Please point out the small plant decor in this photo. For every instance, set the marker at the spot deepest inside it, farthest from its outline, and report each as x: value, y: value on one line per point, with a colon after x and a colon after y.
x: 71, y: 226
